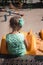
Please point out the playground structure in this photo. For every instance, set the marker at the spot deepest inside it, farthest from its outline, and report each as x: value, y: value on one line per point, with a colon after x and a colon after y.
x: 35, y: 46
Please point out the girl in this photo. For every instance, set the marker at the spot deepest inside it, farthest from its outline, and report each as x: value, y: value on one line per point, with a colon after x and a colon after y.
x: 15, y: 39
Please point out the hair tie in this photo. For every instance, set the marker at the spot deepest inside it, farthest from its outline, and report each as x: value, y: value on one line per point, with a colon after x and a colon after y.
x: 21, y: 22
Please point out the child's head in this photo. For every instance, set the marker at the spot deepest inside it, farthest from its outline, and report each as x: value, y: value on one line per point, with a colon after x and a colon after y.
x: 16, y: 23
